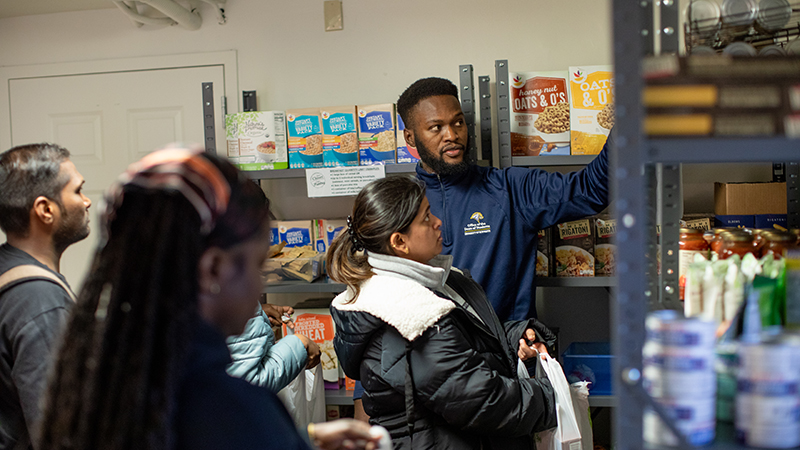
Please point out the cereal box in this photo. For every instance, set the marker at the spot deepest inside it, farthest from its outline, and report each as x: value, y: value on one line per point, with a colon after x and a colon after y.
x: 296, y: 233
x: 317, y: 325
x: 573, y: 243
x: 305, y: 138
x: 257, y: 140
x: 544, y: 254
x: 339, y: 136
x: 376, y: 134
x: 325, y: 230
x: 539, y: 113
x: 605, y: 250
x: 405, y: 153
x: 592, y: 107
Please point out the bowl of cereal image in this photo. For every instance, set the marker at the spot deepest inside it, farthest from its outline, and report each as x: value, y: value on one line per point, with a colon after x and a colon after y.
x: 312, y: 154
x: 347, y: 152
x: 553, y: 120
x: 605, y: 118
x: 267, y: 148
x: 574, y: 261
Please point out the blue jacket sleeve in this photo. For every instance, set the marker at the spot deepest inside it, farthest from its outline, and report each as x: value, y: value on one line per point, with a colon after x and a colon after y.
x: 544, y: 199
x: 259, y: 360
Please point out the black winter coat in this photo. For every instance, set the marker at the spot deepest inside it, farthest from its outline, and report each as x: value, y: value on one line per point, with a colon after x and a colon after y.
x: 462, y: 374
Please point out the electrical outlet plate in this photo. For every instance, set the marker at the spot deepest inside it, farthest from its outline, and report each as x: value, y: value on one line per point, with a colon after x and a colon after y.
x: 333, y: 15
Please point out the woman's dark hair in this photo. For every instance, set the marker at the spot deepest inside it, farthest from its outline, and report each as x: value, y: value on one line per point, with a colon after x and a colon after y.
x: 115, y: 382
x: 383, y: 207
x: 27, y: 172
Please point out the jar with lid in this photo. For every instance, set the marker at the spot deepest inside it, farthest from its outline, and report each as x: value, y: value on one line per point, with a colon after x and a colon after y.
x: 714, y: 239
x: 778, y: 243
x: 690, y: 243
x: 736, y: 243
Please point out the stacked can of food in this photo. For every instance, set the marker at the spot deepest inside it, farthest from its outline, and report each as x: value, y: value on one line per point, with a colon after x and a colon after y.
x: 767, y: 393
x: 679, y: 373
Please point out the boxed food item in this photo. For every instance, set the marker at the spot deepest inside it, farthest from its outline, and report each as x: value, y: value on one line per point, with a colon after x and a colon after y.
x: 734, y: 221
x: 573, y: 243
x: 339, y: 136
x: 257, y: 140
x: 317, y: 325
x: 304, y: 127
x: 405, y: 153
x: 293, y: 263
x: 296, y: 233
x: 771, y: 221
x: 698, y: 221
x: 605, y: 250
x: 540, y: 119
x: 749, y: 198
x: 591, y: 108
x: 325, y: 230
x: 376, y: 134
x: 544, y: 254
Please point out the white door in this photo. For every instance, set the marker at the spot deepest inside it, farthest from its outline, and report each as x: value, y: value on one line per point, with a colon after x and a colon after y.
x: 107, y: 121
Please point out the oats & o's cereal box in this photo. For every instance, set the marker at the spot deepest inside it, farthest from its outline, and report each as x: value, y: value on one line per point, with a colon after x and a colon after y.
x: 592, y: 107
x: 539, y: 113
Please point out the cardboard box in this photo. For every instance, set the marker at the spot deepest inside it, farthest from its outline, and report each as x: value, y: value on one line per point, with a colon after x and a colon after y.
x: 605, y: 249
x: 339, y: 136
x: 317, y: 325
x: 304, y: 127
x: 296, y: 233
x: 771, y: 221
x: 573, y: 244
x: 377, y: 138
x: 257, y: 140
x: 734, y: 221
x: 698, y: 221
x: 540, y: 117
x: 405, y: 153
x: 325, y: 230
x: 544, y: 253
x: 749, y: 198
x: 591, y: 112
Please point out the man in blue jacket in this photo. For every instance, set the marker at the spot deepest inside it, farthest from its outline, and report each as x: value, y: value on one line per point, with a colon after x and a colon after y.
x: 491, y: 216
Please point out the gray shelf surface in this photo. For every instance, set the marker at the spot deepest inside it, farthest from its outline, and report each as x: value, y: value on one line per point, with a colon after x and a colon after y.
x: 722, y: 150
x: 301, y: 173
x: 327, y: 286
x: 540, y: 161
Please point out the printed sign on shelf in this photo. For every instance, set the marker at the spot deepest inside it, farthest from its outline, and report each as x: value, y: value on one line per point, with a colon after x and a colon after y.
x: 341, y: 181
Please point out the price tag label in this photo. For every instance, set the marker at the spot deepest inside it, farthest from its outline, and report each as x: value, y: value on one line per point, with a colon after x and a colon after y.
x: 341, y: 181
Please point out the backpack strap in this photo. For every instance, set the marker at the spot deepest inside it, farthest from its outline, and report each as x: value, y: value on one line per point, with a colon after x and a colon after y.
x: 28, y: 272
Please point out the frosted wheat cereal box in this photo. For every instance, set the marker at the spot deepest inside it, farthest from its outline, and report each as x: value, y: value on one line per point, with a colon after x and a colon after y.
x: 339, y: 136
x: 405, y: 153
x: 540, y: 123
x: 317, y: 325
x: 304, y: 127
x: 376, y: 134
x: 592, y: 107
x: 256, y: 140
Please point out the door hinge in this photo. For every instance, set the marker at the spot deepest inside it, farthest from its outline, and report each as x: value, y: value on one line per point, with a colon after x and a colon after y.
x: 224, y: 103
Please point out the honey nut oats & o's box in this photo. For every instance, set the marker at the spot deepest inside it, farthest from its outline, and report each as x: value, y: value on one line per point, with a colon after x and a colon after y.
x: 540, y: 124
x: 592, y: 107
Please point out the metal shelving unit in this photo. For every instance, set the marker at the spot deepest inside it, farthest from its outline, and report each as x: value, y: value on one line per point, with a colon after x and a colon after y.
x: 301, y: 173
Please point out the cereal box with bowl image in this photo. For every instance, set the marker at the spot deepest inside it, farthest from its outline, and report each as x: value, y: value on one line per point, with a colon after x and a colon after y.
x: 376, y: 134
x: 605, y: 250
x: 406, y: 154
x: 304, y: 127
x: 256, y: 140
x: 317, y: 325
x: 591, y: 92
x: 339, y: 136
x: 544, y: 253
x: 573, y: 245
x: 539, y: 113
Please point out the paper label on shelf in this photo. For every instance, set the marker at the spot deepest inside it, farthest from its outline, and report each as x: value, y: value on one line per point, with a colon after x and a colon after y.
x: 341, y: 181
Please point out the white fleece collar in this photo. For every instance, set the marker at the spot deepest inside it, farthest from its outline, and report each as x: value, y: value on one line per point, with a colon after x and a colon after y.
x: 432, y: 275
x: 405, y: 304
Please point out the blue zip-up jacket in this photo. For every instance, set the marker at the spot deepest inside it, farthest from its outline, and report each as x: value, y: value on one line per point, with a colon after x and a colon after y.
x: 491, y: 218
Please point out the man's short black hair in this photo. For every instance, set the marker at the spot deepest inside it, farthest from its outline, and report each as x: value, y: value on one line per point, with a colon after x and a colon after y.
x: 27, y: 172
x: 420, y: 90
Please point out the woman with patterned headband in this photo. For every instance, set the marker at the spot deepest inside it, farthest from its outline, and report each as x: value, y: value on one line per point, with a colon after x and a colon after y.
x: 142, y: 365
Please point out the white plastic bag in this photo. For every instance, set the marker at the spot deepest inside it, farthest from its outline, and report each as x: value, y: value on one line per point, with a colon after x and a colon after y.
x: 580, y: 403
x: 304, y: 397
x: 567, y: 435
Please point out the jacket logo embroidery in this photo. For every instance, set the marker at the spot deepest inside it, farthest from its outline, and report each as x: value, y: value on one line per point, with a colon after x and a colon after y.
x: 478, y: 226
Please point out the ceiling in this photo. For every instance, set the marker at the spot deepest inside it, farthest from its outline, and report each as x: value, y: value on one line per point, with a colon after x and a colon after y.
x: 16, y: 8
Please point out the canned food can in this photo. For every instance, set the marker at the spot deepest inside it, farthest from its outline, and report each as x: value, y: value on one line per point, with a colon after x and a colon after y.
x: 693, y: 417
x: 772, y: 50
x: 773, y: 15
x: 703, y: 17
x: 773, y: 360
x: 670, y: 329
x: 739, y: 49
x: 661, y: 383
x: 739, y: 12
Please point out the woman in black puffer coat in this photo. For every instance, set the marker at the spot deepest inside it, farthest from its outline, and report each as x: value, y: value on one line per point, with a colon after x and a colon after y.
x: 438, y: 368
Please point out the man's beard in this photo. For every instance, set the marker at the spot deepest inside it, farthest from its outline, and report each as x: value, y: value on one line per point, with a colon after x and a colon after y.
x: 74, y: 227
x: 439, y: 166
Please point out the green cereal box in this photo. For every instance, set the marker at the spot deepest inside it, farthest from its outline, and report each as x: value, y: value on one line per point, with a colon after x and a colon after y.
x: 256, y: 140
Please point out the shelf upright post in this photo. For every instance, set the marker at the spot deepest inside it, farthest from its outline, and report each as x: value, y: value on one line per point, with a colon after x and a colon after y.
x: 485, y: 102
x: 468, y: 106
x: 208, y: 118
x: 649, y: 33
x: 668, y: 30
x: 503, y: 112
x: 629, y: 190
x: 651, y: 238
x: 793, y: 194
x: 671, y: 211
